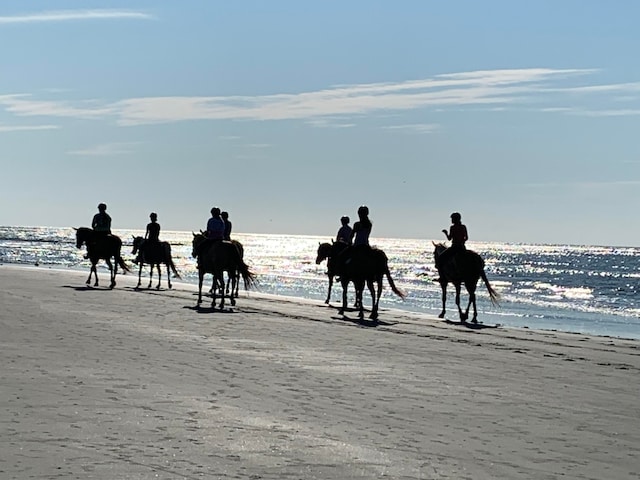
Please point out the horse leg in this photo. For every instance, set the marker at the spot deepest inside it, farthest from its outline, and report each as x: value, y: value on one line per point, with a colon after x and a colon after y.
x: 139, y: 275
x: 345, y: 285
x: 463, y: 316
x: 374, y: 300
x: 359, y: 293
x: 233, y: 278
x: 443, y: 286
x: 159, y: 276
x: 168, y: 276
x: 328, y: 299
x: 91, y: 273
x: 200, y: 279
x: 471, y: 288
x: 150, y: 275
x: 112, y: 275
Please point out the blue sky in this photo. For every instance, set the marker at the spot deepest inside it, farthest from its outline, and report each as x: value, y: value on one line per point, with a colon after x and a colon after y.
x: 523, y: 116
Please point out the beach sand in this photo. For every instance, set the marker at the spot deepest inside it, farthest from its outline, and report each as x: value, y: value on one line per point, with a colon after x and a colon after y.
x: 115, y: 384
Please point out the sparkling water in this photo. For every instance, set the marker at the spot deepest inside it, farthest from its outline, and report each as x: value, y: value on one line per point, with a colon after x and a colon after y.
x: 582, y: 289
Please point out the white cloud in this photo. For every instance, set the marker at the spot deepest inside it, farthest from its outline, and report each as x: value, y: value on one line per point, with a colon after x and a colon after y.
x: 24, y: 128
x: 109, y: 149
x: 490, y: 89
x: 68, y: 15
x: 414, y: 128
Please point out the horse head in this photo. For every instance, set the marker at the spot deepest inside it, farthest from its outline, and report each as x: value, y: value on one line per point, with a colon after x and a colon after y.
x: 198, y: 238
x: 324, y: 251
x: 82, y: 235
x: 137, y: 241
x: 438, y: 248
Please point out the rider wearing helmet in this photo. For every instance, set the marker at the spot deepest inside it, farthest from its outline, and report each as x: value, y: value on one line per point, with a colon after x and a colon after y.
x: 101, y: 222
x: 362, y: 228
x: 345, y: 231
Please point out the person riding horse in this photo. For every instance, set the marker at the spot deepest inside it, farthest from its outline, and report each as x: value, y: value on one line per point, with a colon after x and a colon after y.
x: 214, y: 232
x: 458, y: 235
x: 101, y: 222
x: 151, y: 237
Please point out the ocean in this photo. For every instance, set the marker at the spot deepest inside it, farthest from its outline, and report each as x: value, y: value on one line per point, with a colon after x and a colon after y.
x: 581, y: 289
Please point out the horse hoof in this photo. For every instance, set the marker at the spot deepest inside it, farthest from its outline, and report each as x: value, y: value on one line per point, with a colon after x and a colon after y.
x: 441, y: 315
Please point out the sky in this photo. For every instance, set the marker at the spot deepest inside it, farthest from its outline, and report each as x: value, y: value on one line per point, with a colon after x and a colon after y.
x: 523, y: 116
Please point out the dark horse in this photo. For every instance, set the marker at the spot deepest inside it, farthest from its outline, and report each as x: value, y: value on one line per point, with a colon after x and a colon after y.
x: 100, y: 246
x: 154, y: 254
x: 217, y: 257
x: 330, y: 252
x: 364, y: 265
x: 464, y: 267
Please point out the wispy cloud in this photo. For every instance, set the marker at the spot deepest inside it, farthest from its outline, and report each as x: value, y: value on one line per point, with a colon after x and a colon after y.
x: 24, y: 128
x: 414, y: 128
x: 487, y: 89
x: 71, y: 15
x: 105, y: 150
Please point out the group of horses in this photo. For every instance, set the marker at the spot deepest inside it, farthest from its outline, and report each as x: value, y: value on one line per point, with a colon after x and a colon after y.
x: 214, y: 257
x: 361, y: 266
x: 369, y: 265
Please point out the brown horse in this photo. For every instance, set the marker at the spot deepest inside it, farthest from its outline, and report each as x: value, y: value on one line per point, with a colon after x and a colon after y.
x: 217, y: 257
x: 330, y: 253
x: 100, y: 246
x: 364, y: 265
x: 154, y: 254
x: 464, y: 267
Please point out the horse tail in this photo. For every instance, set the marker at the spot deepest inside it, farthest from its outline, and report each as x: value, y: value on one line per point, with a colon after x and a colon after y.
x: 248, y: 277
x: 173, y: 268
x: 169, y: 260
x: 121, y: 264
x: 392, y: 284
x: 495, y: 297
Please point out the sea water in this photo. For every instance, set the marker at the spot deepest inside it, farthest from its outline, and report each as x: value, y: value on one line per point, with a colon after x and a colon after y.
x: 582, y: 289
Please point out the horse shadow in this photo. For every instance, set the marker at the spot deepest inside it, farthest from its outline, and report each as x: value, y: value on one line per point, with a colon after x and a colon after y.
x: 471, y: 325
x: 208, y: 310
x: 88, y: 288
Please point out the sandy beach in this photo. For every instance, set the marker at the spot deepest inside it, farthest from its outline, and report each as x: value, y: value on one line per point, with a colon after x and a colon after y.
x: 126, y: 384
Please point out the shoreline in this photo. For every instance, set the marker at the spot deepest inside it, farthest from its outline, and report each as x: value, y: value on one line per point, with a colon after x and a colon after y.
x: 127, y: 383
x: 103, y: 271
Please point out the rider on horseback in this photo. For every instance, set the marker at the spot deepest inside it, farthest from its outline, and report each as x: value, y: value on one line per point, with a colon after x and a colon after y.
x: 214, y: 232
x: 345, y: 232
x: 227, y: 225
x: 457, y: 234
x: 151, y: 236
x: 362, y: 228
x: 101, y: 222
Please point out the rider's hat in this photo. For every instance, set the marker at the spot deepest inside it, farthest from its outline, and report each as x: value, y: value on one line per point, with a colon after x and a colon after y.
x: 102, y: 206
x: 456, y: 216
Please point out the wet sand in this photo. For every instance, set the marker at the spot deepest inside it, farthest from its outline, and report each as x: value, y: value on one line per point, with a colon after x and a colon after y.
x: 115, y: 384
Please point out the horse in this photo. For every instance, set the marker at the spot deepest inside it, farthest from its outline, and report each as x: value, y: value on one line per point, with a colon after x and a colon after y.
x: 464, y: 267
x: 100, y: 246
x: 330, y: 253
x: 216, y: 258
x: 154, y: 254
x: 364, y: 265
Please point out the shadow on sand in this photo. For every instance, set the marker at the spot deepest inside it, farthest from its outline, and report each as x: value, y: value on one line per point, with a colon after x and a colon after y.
x: 470, y: 326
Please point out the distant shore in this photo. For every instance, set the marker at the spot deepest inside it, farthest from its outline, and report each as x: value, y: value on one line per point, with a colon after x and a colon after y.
x: 122, y: 383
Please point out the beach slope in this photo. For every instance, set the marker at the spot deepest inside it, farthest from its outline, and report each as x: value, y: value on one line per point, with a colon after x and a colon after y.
x: 106, y: 384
